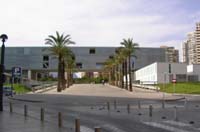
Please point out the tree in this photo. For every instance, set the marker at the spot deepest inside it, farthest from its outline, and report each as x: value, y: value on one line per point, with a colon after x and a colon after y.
x: 109, y: 68
x: 58, y: 47
x: 129, y: 47
x: 70, y: 65
x: 121, y: 58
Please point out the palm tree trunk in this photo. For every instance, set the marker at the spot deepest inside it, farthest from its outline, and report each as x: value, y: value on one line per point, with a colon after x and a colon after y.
x: 59, y: 73
x: 130, y: 76
x: 116, y: 75
x: 126, y: 74
x: 68, y: 78
x: 122, y: 75
x: 63, y: 75
x: 109, y: 77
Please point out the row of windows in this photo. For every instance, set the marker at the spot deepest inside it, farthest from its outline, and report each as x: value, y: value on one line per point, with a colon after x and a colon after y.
x: 99, y: 65
x: 27, y: 51
x: 79, y: 65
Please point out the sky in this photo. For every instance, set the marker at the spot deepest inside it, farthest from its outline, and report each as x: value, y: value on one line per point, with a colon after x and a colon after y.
x: 150, y: 23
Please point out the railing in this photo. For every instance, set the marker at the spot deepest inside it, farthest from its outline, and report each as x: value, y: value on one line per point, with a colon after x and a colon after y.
x: 147, y: 85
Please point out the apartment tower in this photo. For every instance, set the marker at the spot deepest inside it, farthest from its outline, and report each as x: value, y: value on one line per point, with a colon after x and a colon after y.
x: 191, y: 47
x: 197, y: 41
x: 171, y: 54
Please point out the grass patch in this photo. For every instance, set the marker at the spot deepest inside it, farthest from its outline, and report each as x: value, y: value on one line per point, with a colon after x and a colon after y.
x: 186, y: 88
x: 19, y: 88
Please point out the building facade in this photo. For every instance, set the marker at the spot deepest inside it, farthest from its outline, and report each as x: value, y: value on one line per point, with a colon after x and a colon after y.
x: 162, y: 73
x: 191, y: 47
x: 37, y: 62
x: 171, y: 54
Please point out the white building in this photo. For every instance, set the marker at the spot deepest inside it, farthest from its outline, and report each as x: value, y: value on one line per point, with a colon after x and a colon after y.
x: 193, y: 72
x: 159, y: 72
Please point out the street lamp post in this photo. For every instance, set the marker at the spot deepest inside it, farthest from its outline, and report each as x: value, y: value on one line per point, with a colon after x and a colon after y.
x: 3, y: 37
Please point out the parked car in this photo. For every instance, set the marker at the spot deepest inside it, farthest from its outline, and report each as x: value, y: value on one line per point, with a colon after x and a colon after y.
x: 8, y: 91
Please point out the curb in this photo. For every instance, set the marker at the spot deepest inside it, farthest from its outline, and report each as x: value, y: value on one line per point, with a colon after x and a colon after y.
x: 26, y: 100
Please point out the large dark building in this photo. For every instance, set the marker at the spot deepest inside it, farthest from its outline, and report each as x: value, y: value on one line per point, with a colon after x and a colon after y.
x: 38, y: 60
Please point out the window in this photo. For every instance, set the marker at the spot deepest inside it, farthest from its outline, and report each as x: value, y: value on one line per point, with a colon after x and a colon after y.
x: 99, y: 65
x: 45, y: 58
x: 79, y: 65
x: 111, y: 57
x: 169, y: 68
x: 92, y: 51
x: 45, y: 64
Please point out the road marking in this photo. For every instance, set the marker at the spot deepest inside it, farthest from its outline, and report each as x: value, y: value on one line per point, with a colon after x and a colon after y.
x: 112, y: 128
x: 165, y: 127
x: 176, y: 123
x: 86, y: 129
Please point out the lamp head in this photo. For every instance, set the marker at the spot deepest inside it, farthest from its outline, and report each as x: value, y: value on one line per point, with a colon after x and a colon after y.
x: 4, y: 37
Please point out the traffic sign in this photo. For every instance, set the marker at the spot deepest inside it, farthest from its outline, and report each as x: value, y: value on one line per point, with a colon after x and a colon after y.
x: 174, y: 80
x: 16, y: 71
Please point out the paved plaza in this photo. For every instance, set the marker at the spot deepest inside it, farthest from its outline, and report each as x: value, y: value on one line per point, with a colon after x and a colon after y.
x: 108, y: 107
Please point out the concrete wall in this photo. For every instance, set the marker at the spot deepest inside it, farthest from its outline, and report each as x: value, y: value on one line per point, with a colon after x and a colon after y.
x: 166, y: 74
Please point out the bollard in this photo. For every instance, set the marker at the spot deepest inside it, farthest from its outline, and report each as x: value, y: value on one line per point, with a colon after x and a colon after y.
x: 128, y: 108
x: 59, y: 119
x: 97, y: 129
x: 108, y: 106
x: 163, y: 103
x: 77, y: 125
x: 150, y: 110
x: 185, y: 103
x: 115, y: 104
x: 42, y: 114
x: 139, y: 105
x: 11, y: 108
x: 175, y: 114
x: 25, y: 110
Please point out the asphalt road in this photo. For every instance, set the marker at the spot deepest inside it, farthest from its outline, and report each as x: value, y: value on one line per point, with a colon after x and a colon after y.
x: 89, y: 103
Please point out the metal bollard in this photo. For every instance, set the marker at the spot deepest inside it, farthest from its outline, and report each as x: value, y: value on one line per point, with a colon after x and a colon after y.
x: 97, y: 129
x: 115, y: 104
x: 59, y: 119
x: 25, y: 110
x: 128, y: 108
x: 108, y: 106
x: 175, y: 114
x: 42, y: 114
x: 185, y: 103
x: 77, y: 125
x: 11, y: 108
x: 139, y: 105
x: 163, y: 104
x: 150, y: 110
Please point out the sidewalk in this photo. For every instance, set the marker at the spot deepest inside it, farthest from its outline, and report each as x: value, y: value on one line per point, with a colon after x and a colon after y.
x: 18, y: 123
x: 112, y: 91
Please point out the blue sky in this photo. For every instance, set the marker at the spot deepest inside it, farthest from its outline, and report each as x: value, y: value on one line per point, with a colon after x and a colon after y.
x: 99, y: 22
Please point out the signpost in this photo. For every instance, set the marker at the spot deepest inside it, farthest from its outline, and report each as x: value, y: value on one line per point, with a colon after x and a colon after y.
x: 174, y: 82
x: 16, y: 73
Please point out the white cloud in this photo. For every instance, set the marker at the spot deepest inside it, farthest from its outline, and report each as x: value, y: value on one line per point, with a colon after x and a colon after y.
x: 92, y: 22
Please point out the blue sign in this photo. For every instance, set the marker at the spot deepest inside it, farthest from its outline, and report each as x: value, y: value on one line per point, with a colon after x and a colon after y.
x: 16, y: 71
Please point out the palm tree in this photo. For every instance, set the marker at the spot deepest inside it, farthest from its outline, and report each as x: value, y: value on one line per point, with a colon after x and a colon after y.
x: 58, y: 47
x: 120, y: 58
x: 129, y: 47
x: 109, y: 67
x: 70, y: 64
